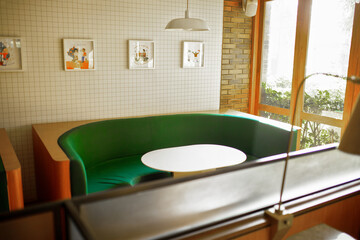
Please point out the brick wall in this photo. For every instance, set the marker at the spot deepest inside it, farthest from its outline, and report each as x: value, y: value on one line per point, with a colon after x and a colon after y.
x: 235, y: 74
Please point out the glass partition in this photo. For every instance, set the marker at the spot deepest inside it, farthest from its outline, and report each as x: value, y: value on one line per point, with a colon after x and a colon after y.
x: 170, y: 208
x: 162, y: 211
x: 166, y: 210
x: 41, y: 222
x: 315, y: 172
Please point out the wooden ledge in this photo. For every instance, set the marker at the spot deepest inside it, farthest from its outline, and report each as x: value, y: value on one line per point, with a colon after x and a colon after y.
x: 49, y: 133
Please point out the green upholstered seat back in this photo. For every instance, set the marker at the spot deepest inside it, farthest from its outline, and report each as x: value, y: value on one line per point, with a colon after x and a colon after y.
x: 4, y: 201
x: 271, y: 140
x: 105, y: 140
x: 186, y: 129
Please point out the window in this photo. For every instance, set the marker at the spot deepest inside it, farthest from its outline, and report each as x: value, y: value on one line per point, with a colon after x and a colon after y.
x: 278, y: 52
x: 293, y: 39
x: 328, y: 51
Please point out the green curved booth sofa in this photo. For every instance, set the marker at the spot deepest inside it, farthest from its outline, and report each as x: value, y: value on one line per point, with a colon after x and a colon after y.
x: 107, y: 154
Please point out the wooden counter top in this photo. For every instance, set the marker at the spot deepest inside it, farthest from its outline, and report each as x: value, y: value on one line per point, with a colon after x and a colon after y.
x: 49, y: 134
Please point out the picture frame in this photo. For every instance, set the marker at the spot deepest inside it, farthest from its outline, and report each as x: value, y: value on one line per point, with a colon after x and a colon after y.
x: 79, y: 54
x: 193, y: 54
x: 141, y: 54
x: 11, y: 54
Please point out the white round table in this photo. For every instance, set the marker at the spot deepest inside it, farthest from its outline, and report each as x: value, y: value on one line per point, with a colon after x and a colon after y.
x: 190, y: 159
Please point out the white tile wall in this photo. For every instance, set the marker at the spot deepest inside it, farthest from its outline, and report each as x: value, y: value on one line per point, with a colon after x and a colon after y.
x: 44, y: 92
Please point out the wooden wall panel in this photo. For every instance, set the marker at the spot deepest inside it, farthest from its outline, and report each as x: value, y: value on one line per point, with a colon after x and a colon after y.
x: 13, y: 172
x: 352, y: 90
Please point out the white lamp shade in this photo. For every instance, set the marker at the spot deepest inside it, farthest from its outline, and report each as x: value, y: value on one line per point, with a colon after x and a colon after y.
x: 187, y: 24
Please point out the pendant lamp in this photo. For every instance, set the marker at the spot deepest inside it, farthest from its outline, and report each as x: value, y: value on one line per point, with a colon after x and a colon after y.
x: 187, y: 23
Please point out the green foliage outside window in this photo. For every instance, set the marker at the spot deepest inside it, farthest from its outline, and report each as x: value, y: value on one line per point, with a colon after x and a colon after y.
x: 313, y: 133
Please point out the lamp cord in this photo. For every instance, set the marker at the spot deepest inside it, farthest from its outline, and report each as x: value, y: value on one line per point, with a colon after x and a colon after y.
x: 351, y: 79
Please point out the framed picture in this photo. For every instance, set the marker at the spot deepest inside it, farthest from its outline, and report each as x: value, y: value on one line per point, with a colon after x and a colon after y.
x: 79, y: 54
x: 10, y: 54
x: 141, y: 54
x: 193, y: 54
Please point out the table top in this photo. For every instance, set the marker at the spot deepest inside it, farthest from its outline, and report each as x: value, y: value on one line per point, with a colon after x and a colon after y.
x: 191, y: 158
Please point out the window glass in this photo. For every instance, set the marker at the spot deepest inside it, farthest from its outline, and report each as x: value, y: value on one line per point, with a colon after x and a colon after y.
x: 316, y: 134
x: 278, y: 52
x: 328, y: 52
x: 274, y: 116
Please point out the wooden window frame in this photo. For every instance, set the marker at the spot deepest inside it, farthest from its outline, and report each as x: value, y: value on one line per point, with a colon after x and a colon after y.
x: 301, y: 42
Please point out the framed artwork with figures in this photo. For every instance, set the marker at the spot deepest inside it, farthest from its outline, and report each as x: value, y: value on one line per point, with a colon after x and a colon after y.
x: 79, y: 54
x: 10, y: 54
x: 141, y: 54
x: 193, y: 54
